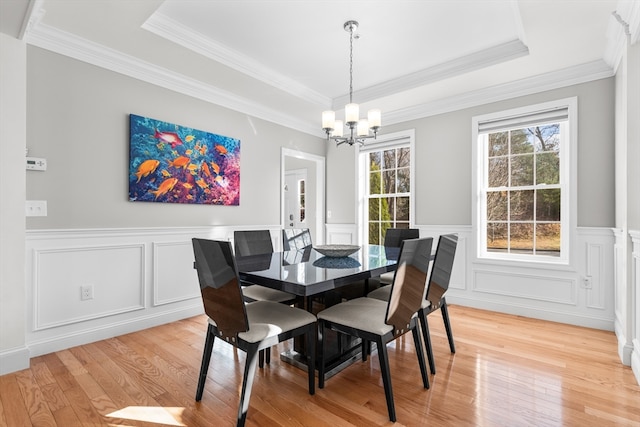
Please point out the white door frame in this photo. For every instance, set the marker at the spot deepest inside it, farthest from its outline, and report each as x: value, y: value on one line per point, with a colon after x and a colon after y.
x: 320, y: 188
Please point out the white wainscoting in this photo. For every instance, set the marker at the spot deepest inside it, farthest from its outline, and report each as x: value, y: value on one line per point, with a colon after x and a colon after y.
x: 635, y: 275
x: 540, y: 291
x: 140, y: 277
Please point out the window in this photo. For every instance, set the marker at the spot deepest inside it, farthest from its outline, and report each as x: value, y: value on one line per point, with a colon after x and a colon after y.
x: 386, y: 172
x: 301, y: 200
x: 523, y: 182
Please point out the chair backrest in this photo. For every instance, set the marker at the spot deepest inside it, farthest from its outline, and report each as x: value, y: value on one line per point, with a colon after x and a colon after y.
x: 409, y: 282
x: 295, y: 238
x: 394, y: 236
x: 253, y: 242
x: 220, y: 287
x: 442, y: 267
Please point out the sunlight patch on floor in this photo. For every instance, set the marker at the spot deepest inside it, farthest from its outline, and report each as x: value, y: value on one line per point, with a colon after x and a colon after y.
x: 152, y: 414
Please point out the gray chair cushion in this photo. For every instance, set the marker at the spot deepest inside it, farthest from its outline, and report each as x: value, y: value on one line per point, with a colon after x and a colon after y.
x: 367, y: 314
x: 387, y: 278
x: 268, y: 319
x: 382, y: 293
x: 262, y: 293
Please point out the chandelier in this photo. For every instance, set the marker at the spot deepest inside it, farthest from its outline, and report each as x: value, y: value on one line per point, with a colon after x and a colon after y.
x: 358, y: 129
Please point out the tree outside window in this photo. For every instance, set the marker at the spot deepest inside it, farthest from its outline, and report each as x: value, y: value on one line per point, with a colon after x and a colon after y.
x: 389, y: 189
x: 523, y: 190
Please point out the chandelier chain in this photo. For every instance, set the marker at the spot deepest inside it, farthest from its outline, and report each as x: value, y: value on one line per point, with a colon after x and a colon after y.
x: 351, y: 65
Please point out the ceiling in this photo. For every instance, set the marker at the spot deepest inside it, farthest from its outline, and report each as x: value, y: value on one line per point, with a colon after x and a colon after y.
x: 288, y: 60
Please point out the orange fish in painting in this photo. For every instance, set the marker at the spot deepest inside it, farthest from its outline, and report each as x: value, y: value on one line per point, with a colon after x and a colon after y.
x: 189, y: 138
x: 147, y: 167
x: 180, y: 162
x: 168, y: 137
x: 203, y: 150
x: 215, y: 167
x: 192, y: 167
x: 166, y: 186
x: 221, y: 149
x: 202, y: 184
x: 205, y: 169
x: 165, y: 173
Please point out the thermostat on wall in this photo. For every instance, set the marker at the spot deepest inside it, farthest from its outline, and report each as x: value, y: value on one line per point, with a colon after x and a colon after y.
x: 36, y: 164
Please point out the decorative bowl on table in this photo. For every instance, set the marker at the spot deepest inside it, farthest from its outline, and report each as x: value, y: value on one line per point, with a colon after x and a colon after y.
x: 337, y: 251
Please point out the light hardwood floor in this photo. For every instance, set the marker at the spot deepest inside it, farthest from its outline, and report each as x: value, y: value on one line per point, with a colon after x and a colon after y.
x: 507, y: 371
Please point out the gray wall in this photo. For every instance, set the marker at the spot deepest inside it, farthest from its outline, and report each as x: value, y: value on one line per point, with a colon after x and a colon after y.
x: 78, y: 119
x: 443, y: 160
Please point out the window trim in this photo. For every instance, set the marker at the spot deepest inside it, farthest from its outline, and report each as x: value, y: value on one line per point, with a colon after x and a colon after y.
x: 405, y: 137
x: 568, y: 179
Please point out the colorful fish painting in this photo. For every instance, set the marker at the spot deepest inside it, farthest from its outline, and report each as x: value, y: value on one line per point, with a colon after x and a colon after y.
x: 170, y: 163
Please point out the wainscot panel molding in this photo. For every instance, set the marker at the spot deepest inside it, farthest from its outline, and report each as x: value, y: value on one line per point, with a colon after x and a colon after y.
x: 623, y: 306
x: 341, y: 234
x: 635, y: 274
x: 141, y: 278
x: 538, y: 291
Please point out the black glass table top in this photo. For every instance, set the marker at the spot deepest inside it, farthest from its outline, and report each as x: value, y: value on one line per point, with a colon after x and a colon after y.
x: 307, y: 272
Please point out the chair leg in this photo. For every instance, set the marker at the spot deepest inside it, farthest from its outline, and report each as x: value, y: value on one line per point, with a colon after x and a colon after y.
x: 447, y: 324
x: 247, y: 383
x: 386, y: 378
x: 267, y: 355
x: 206, y: 357
x: 311, y: 358
x: 261, y: 359
x: 423, y: 368
x: 321, y: 344
x: 426, y: 337
x: 364, y: 349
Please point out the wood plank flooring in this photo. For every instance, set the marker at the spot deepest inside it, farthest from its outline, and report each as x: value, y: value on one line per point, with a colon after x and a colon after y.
x: 507, y: 371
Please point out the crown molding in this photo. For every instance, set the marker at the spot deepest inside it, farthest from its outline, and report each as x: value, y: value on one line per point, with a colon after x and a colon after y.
x: 591, y: 71
x: 462, y: 65
x: 618, y: 33
x: 167, y: 28
x: 67, y: 44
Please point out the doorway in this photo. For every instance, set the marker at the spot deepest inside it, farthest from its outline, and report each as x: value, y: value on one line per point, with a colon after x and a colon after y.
x: 297, y: 166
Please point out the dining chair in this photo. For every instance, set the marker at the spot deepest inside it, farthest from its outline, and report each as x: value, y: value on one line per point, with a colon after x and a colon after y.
x: 392, y: 239
x: 256, y: 242
x: 250, y: 327
x: 435, y: 294
x: 295, y: 239
x: 373, y: 320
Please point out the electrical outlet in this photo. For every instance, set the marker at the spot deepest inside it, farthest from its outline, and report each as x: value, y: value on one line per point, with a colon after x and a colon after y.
x: 587, y: 282
x: 86, y: 292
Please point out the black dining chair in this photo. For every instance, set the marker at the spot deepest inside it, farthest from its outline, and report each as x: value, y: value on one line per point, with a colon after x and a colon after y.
x: 392, y: 239
x: 250, y: 327
x: 435, y: 294
x: 381, y: 322
x: 256, y: 242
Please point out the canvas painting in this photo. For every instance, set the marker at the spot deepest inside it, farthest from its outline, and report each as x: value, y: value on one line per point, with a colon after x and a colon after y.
x: 176, y: 164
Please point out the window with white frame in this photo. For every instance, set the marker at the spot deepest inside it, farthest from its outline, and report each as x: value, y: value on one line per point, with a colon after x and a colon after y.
x: 524, y: 182
x: 386, y: 185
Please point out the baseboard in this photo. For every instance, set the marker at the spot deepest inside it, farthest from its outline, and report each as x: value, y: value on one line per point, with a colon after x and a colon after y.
x: 635, y: 360
x: 15, y: 359
x: 61, y: 342
x: 535, y: 313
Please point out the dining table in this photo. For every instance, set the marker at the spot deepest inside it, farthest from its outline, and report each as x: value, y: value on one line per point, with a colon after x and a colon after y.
x: 312, y: 276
